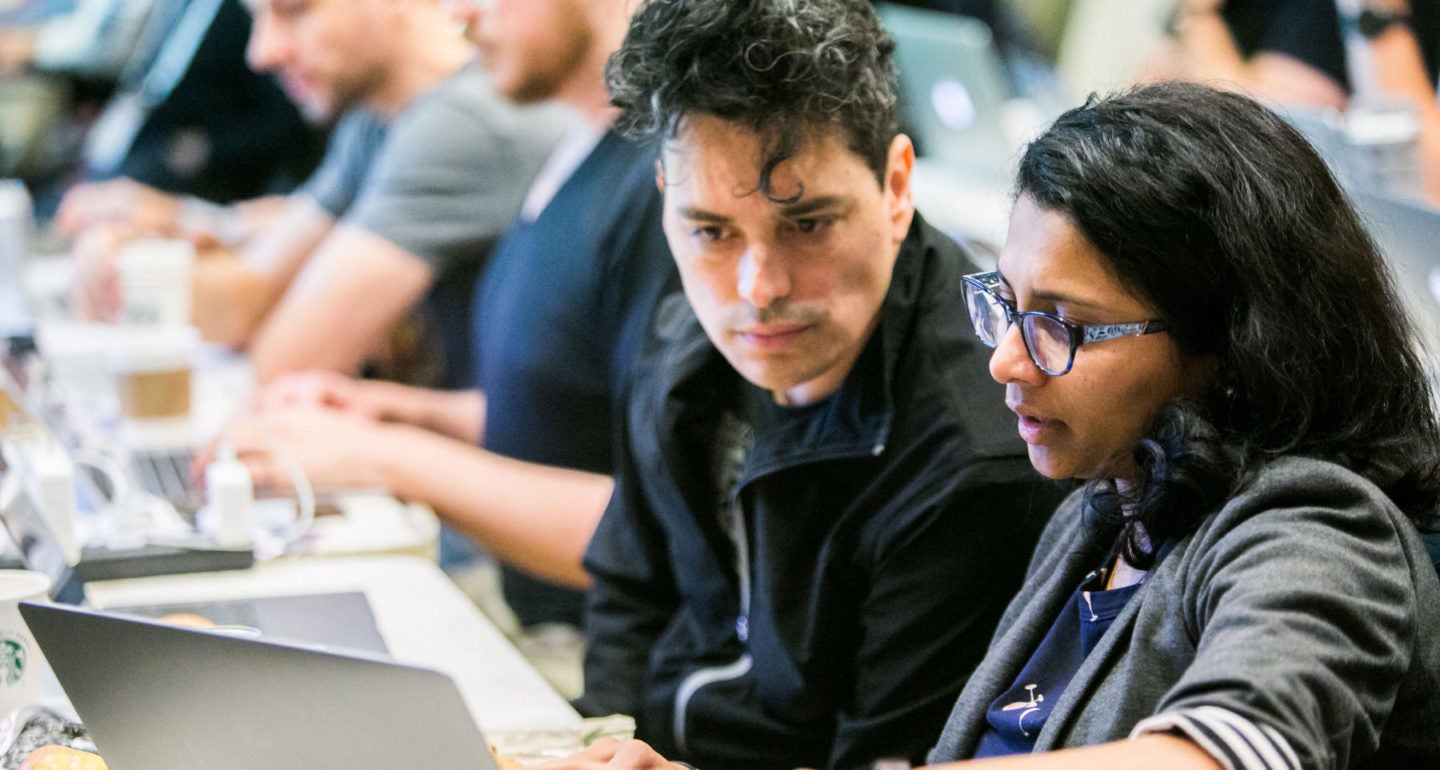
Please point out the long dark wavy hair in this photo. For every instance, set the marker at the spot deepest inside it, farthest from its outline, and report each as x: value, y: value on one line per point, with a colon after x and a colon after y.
x: 783, y: 68
x: 1221, y: 215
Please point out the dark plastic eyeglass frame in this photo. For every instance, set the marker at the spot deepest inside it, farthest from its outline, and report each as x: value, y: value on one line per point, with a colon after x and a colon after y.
x: 985, y: 283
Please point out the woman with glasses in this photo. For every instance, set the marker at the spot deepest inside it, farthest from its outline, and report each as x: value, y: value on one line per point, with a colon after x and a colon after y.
x: 1189, y: 316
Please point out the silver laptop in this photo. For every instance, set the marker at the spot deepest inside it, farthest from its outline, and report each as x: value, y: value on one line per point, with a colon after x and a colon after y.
x: 159, y: 697
x: 953, y: 90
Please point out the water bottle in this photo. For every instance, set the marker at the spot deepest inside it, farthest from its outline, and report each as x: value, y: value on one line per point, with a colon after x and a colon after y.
x: 17, y: 224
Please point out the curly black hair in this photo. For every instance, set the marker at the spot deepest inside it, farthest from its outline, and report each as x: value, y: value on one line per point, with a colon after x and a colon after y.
x: 1223, y: 217
x: 781, y: 67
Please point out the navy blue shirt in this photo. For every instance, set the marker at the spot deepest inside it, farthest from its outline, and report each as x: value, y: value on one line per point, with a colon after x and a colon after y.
x: 561, y: 304
x: 557, y: 318
x: 1016, y: 717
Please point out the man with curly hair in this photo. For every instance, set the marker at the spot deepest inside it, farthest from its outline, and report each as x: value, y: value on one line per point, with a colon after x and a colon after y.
x: 821, y: 507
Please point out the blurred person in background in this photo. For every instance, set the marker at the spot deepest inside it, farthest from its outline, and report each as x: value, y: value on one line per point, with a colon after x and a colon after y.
x: 424, y: 170
x: 1316, y: 54
x: 521, y: 462
x: 190, y: 118
x: 178, y: 109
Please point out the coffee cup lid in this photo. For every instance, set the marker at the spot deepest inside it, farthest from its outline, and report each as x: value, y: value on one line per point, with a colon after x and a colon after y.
x: 157, y: 254
x: 22, y: 584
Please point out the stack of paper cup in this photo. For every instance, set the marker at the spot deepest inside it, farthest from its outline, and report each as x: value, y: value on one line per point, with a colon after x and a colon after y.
x: 155, y: 282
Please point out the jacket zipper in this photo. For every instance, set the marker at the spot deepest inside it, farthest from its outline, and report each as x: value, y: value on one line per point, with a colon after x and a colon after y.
x: 704, y: 676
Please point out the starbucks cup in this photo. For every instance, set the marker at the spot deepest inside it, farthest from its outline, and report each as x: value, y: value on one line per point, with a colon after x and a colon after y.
x: 21, y: 664
x: 155, y: 276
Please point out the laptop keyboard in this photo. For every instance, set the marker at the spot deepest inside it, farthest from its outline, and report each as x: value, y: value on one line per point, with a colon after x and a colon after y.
x: 166, y: 473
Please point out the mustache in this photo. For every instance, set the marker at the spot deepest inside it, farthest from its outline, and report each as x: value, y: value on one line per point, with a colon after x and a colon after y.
x: 742, y: 315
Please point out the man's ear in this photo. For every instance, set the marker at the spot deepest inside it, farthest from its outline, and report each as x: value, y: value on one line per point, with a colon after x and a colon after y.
x: 660, y: 175
x: 899, y: 164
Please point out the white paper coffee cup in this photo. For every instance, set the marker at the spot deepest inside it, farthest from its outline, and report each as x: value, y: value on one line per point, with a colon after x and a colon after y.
x: 22, y: 666
x: 152, y: 366
x: 155, y: 277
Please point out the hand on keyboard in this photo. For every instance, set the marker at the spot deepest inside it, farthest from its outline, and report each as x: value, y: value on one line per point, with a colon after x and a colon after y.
x: 334, y: 450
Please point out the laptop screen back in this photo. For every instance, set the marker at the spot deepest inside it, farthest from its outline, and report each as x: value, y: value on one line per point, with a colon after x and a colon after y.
x: 1407, y: 235
x: 39, y: 548
x: 159, y: 697
x: 953, y: 88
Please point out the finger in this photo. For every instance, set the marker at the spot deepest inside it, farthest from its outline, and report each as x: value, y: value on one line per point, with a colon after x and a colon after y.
x: 269, y: 397
x: 111, y: 298
x: 70, y: 216
x: 312, y: 390
x: 295, y: 389
x: 96, y: 305
x: 262, y: 472
x: 637, y: 755
x: 602, y: 750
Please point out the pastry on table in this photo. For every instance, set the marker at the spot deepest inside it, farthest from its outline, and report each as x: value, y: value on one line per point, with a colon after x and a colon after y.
x: 61, y: 758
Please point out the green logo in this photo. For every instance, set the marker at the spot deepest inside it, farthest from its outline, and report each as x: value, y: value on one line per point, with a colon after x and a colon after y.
x: 14, y: 657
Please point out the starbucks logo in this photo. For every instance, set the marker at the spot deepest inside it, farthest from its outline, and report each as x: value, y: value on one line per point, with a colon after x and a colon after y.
x: 14, y: 657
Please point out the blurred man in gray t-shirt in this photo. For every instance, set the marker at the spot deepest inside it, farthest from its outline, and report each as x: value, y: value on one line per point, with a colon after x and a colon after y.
x: 425, y: 169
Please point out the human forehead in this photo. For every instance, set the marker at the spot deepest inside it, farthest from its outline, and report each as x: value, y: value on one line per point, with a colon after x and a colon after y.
x: 721, y: 159
x: 1048, y: 258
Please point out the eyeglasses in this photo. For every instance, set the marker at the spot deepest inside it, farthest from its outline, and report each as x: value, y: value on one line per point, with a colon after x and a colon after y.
x: 1050, y: 340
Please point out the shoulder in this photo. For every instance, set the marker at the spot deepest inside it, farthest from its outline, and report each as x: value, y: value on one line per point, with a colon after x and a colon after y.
x: 357, y: 126
x: 1301, y: 515
x: 632, y: 159
x: 356, y: 139
x: 624, y: 170
x: 466, y: 92
x: 463, y: 119
x: 1305, y: 488
x: 943, y: 371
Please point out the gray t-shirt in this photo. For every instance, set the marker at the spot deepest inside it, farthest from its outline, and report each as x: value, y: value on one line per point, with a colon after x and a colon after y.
x: 446, y: 177
x: 354, y: 143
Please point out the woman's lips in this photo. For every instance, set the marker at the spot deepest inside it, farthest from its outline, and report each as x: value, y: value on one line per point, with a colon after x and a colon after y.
x: 1037, y: 430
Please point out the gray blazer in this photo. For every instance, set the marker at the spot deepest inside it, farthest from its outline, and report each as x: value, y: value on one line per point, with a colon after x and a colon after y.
x: 1306, y: 607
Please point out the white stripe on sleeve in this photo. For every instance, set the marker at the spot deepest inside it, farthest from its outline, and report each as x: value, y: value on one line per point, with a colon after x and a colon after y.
x: 1231, y: 739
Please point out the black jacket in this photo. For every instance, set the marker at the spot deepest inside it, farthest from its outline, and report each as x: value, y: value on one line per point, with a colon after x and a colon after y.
x: 886, y: 529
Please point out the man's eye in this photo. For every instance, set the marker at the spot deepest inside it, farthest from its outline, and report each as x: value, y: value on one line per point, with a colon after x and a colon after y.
x: 812, y: 224
x: 709, y: 233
